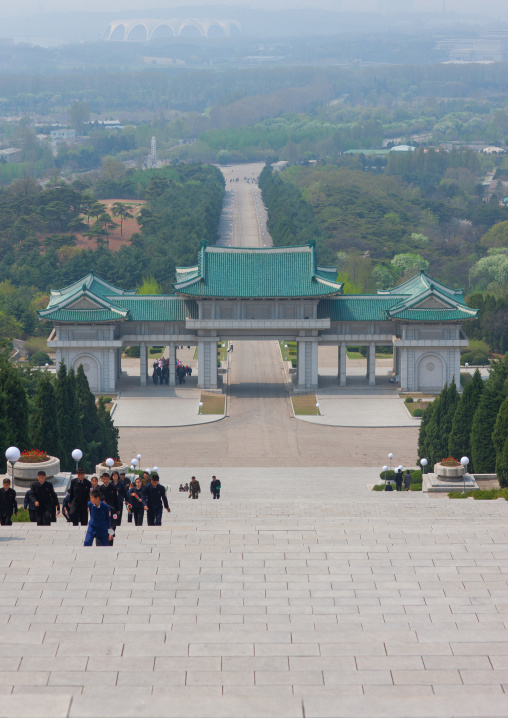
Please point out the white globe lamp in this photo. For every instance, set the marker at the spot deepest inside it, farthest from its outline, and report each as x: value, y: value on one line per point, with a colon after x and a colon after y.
x: 12, y: 455
x: 109, y: 463
x: 464, y: 461
x: 423, y: 464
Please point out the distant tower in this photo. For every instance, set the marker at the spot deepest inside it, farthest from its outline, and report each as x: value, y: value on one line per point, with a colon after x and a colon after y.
x: 153, y: 152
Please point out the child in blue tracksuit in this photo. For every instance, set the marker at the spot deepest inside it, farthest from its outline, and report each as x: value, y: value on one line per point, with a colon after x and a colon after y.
x: 99, y: 523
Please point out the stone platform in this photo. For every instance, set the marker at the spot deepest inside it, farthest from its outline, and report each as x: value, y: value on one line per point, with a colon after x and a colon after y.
x: 432, y: 484
x: 299, y: 593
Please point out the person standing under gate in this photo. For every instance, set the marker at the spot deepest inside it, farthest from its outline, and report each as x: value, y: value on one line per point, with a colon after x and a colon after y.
x: 79, y: 492
x: 215, y: 487
x: 154, y: 499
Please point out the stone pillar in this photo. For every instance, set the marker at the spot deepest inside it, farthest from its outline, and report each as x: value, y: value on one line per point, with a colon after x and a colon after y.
x: 456, y: 368
x: 207, y: 364
x: 308, y: 364
x: 367, y: 373
x: 172, y: 364
x: 111, y: 370
x: 342, y: 363
x: 143, y: 364
x: 371, y: 353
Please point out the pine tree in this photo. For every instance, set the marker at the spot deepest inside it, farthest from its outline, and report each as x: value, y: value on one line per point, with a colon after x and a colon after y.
x: 459, y: 442
x: 91, y: 424
x: 500, y: 432
x: 483, y: 453
x: 451, y: 400
x: 44, y: 429
x: 14, y: 407
x: 502, y: 465
x: 68, y: 416
x: 110, y: 433
x: 423, y: 436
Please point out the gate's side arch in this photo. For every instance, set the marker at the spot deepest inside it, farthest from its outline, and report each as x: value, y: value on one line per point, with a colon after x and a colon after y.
x: 91, y: 368
x: 431, y: 372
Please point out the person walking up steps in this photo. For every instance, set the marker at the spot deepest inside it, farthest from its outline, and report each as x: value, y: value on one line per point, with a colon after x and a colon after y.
x: 79, y: 492
x: 45, y: 499
x: 215, y: 487
x: 154, y: 499
x: 8, y: 505
x: 194, y: 488
x: 99, y: 525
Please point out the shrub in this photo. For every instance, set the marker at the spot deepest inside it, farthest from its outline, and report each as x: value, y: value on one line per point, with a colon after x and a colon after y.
x: 22, y: 516
x: 40, y: 359
x: 388, y: 475
x: 409, y: 400
x: 156, y: 350
x: 132, y: 352
x: 418, y: 412
x: 476, y: 358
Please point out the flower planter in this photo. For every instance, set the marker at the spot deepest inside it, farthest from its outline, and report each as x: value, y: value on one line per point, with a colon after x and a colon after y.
x: 102, y: 468
x: 449, y: 473
x: 25, y: 474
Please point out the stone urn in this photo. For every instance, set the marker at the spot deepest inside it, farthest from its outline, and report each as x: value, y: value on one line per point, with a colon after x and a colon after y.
x: 102, y: 468
x: 26, y: 473
x: 449, y: 473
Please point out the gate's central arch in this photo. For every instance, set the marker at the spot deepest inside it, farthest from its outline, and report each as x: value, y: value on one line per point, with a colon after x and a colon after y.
x: 263, y: 294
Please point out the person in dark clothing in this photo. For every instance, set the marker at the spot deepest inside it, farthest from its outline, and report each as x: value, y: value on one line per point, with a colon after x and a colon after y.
x: 66, y: 507
x: 8, y: 505
x: 135, y: 502
x: 407, y: 480
x: 109, y: 495
x: 194, y: 488
x: 215, y: 487
x: 154, y: 498
x: 95, y: 483
x: 79, y: 491
x: 28, y: 503
x: 45, y: 500
x: 398, y: 480
x: 99, y: 526
x: 121, y: 493
x: 388, y: 486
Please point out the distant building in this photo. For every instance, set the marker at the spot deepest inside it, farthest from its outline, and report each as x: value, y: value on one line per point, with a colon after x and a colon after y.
x: 491, y: 47
x: 11, y: 155
x: 62, y: 135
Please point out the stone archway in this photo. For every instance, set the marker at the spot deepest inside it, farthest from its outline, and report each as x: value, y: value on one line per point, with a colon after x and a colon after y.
x: 431, y: 373
x: 91, y: 369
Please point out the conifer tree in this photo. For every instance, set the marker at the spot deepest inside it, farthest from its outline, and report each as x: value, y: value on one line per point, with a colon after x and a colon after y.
x: 68, y: 416
x: 91, y: 424
x: 502, y: 464
x: 459, y: 442
x: 423, y: 436
x: 110, y: 432
x: 483, y: 453
x: 44, y: 428
x: 14, y: 410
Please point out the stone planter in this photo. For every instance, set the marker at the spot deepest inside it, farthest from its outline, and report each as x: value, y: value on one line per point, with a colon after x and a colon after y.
x: 102, y: 468
x: 449, y: 473
x: 25, y: 474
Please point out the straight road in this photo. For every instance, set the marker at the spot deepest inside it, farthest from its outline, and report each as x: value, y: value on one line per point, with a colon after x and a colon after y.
x: 260, y: 429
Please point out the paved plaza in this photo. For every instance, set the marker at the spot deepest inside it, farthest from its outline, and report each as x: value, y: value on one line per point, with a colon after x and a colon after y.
x: 299, y: 593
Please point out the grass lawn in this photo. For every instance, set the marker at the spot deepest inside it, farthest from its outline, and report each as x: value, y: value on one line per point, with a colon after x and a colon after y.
x: 416, y: 405
x: 481, y: 495
x: 155, y: 355
x: 212, y: 404
x: 288, y: 351
x: 353, y: 353
x: 305, y: 405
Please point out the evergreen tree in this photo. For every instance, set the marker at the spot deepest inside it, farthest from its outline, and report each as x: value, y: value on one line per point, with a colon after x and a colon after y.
x: 502, y: 464
x: 68, y: 416
x: 44, y: 429
x: 500, y: 432
x: 14, y: 414
x: 91, y: 425
x: 451, y: 400
x: 423, y: 436
x: 483, y: 453
x: 459, y: 442
x: 110, y: 432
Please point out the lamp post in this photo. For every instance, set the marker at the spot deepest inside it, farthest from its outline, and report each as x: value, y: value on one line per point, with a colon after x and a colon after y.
x: 317, y: 408
x: 155, y: 469
x: 423, y: 464
x: 139, y: 460
x: 77, y: 455
x: 134, y: 463
x: 200, y: 406
x: 464, y: 461
x: 385, y: 469
x: 390, y: 456
x: 12, y: 455
x: 110, y: 463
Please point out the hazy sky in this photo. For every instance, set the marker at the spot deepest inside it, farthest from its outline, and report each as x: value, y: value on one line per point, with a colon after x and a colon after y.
x: 8, y: 8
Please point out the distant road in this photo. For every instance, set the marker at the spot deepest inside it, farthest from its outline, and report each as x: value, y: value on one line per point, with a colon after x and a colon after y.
x: 243, y: 221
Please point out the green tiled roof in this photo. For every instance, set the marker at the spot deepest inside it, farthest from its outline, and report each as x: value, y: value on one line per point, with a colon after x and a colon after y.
x: 87, y: 316
x: 356, y: 308
x: 92, y: 284
x: 433, y: 315
x: 255, y: 273
x: 159, y: 308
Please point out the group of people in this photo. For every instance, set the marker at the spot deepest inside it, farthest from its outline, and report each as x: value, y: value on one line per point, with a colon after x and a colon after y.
x: 160, y: 373
x: 194, y: 488
x: 400, y: 479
